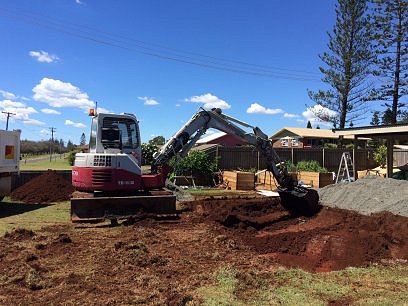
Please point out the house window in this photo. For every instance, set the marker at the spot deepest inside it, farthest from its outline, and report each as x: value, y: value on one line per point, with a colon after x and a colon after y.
x: 285, y: 142
x: 295, y: 142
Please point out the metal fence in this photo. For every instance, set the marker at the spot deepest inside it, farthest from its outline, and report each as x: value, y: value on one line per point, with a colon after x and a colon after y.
x: 247, y: 157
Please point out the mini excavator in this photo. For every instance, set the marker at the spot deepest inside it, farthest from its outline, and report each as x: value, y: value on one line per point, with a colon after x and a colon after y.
x: 111, y: 171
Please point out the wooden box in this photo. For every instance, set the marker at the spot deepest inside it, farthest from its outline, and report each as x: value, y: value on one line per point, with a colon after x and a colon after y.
x: 266, y: 181
x: 316, y: 179
x: 239, y: 180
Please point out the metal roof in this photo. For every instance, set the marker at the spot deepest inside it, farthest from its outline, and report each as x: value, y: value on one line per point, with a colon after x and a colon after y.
x: 306, y: 132
x: 399, y: 131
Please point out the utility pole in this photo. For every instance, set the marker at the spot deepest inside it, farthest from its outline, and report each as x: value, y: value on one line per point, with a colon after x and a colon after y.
x: 52, y: 141
x: 8, y: 117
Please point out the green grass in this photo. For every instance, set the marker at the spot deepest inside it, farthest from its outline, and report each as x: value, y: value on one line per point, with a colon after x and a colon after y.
x: 34, y: 219
x: 55, y: 164
x: 375, y: 285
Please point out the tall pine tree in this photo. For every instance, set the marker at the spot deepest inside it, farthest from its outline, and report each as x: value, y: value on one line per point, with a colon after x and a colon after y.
x: 390, y: 23
x: 347, y: 65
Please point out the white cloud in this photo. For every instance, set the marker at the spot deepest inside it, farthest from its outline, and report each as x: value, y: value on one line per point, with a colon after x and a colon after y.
x: 57, y: 93
x: 31, y: 121
x: 309, y: 114
x: 148, y: 101
x: 45, y: 132
x: 49, y: 111
x: 178, y: 105
x: 75, y: 124
x: 209, y: 101
x: 43, y: 56
x: 256, y: 108
x: 78, y: 2
x: 300, y: 120
x: 7, y: 95
x: 290, y: 116
x: 19, y: 111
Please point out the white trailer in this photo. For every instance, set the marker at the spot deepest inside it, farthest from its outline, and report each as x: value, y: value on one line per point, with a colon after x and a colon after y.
x: 9, y: 159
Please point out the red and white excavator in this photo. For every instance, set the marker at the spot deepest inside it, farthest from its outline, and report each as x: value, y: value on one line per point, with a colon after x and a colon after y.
x: 112, y: 168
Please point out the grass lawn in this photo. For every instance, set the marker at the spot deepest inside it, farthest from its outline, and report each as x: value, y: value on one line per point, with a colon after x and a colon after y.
x: 55, y: 164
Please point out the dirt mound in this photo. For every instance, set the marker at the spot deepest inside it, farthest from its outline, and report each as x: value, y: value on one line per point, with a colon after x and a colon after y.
x: 19, y: 234
x: 46, y: 188
x: 331, y: 240
x: 368, y: 195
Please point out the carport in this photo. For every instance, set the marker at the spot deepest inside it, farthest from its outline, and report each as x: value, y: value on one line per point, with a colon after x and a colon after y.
x: 391, y: 133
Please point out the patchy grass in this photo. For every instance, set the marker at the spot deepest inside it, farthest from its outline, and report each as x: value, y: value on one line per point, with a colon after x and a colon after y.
x: 215, y: 192
x: 35, y: 219
x: 56, y: 164
x: 375, y: 285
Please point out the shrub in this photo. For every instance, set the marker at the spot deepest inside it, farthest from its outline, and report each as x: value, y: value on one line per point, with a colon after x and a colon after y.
x: 380, y: 155
x: 148, y: 149
x: 71, y: 157
x: 310, y: 165
x: 195, y: 163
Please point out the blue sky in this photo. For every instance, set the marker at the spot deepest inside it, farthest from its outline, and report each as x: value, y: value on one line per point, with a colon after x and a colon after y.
x: 160, y: 60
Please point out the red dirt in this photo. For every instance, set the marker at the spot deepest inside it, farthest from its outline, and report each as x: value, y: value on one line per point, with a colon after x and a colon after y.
x: 46, y: 188
x: 164, y: 262
x: 333, y: 239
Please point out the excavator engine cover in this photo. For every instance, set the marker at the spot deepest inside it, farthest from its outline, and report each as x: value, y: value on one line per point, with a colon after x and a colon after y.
x: 300, y: 201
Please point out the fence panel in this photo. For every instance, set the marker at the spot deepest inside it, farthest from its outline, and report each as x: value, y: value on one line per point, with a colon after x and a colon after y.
x: 248, y: 157
x: 400, y: 157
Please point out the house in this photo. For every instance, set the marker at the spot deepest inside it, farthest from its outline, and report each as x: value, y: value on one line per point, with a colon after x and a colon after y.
x: 221, y: 138
x: 294, y: 137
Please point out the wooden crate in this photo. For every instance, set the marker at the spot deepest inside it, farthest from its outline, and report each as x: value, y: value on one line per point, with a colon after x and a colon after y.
x: 266, y: 181
x: 316, y: 179
x: 239, y: 180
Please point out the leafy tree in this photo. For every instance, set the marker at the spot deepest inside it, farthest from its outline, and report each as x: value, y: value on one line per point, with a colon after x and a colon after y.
x: 346, y: 65
x: 318, y: 127
x: 83, y: 140
x: 158, y: 141
x: 386, y: 118
x: 309, y: 125
x: 148, y: 149
x: 70, y: 146
x: 390, y: 23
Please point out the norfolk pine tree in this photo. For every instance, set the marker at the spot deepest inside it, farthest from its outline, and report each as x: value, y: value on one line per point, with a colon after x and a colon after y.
x: 346, y: 65
x: 389, y: 20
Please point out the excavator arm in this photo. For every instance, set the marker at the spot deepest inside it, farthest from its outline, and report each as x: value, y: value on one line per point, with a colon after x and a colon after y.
x: 297, y: 199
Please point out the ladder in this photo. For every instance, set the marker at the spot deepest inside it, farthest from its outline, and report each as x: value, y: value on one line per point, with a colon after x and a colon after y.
x: 345, y: 169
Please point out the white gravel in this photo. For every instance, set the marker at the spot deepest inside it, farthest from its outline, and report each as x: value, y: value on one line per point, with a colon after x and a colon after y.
x: 368, y: 195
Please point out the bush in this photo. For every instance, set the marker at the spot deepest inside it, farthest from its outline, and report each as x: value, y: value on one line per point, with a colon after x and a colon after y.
x: 290, y: 167
x: 71, y: 157
x: 380, y: 155
x: 311, y: 165
x: 195, y: 163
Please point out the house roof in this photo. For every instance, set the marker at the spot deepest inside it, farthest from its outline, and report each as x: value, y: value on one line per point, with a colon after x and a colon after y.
x: 211, y: 137
x: 399, y: 131
x: 306, y: 132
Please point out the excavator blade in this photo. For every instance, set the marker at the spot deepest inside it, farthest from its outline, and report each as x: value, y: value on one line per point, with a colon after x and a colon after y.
x: 100, y: 208
x: 300, y: 201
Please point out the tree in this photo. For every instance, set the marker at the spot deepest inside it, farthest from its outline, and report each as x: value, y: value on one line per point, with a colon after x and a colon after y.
x: 83, y: 140
x: 148, y: 149
x: 390, y: 24
x: 376, y: 118
x: 70, y: 146
x: 158, y: 141
x: 347, y: 65
x: 309, y: 125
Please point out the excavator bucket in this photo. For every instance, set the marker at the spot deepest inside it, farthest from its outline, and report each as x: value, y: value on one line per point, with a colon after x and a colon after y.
x: 300, y: 201
x: 100, y: 208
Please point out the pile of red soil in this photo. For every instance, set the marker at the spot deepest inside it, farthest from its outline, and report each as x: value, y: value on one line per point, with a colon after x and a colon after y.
x: 333, y: 239
x: 45, y: 188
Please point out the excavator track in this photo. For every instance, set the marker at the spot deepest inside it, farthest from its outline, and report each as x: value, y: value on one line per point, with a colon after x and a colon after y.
x: 97, y: 209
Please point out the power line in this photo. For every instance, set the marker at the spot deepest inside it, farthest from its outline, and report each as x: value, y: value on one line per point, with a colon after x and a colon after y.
x: 156, y: 50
